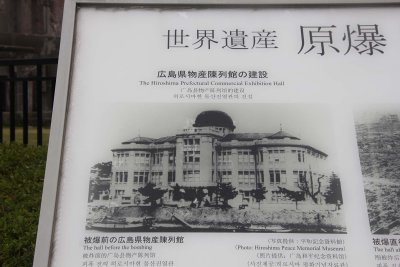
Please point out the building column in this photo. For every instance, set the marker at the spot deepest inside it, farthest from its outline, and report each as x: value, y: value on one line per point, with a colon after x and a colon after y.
x: 265, y: 167
x: 206, y: 149
x: 235, y: 168
x: 165, y: 168
x: 179, y: 161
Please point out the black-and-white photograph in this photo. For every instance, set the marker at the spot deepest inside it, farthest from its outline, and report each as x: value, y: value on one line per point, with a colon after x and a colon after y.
x: 378, y: 137
x: 216, y: 168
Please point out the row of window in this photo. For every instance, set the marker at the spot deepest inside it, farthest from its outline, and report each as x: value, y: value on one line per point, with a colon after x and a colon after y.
x: 121, y: 158
x: 225, y: 176
x: 143, y: 177
x: 156, y: 177
x: 276, y: 177
x: 191, y: 176
x: 156, y: 158
x: 171, y: 177
x: 224, y: 157
x: 191, y: 156
x: 144, y: 158
x: 301, y: 176
x: 246, y: 177
x: 275, y: 155
x: 121, y: 155
x: 191, y: 141
x: 300, y: 155
x: 245, y: 156
x: 248, y: 156
x: 121, y: 177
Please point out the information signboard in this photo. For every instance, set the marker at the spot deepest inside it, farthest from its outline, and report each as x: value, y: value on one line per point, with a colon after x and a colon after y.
x: 224, y: 134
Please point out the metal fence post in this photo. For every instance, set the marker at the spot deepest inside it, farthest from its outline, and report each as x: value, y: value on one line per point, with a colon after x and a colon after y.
x: 12, y: 102
x: 39, y: 111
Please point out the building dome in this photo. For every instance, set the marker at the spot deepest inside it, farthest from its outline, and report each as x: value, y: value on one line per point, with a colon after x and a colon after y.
x: 214, y: 118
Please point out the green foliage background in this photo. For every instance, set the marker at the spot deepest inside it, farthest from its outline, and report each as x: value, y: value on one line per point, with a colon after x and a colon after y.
x: 21, y: 181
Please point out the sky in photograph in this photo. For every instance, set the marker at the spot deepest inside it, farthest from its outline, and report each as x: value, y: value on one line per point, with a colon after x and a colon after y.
x: 116, y: 123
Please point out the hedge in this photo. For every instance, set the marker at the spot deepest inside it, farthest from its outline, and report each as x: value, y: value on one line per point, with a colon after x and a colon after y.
x: 21, y: 181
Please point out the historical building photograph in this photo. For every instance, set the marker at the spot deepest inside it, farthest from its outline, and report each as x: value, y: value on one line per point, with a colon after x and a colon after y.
x: 378, y: 138
x: 215, y: 174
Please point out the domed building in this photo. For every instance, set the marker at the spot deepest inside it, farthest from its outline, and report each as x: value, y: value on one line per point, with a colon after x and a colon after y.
x: 214, y: 118
x: 211, y: 152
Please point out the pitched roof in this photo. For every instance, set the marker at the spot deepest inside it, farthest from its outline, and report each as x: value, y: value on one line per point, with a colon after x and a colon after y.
x: 257, y: 136
x: 148, y: 140
x: 244, y: 136
x: 139, y: 140
x: 281, y: 135
x: 226, y: 138
x: 169, y: 139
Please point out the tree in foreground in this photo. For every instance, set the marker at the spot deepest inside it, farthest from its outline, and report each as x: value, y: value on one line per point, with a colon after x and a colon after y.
x: 190, y: 195
x: 152, y: 193
x: 200, y: 196
x: 307, y: 186
x: 96, y: 184
x: 226, y: 191
x: 333, y: 194
x: 259, y: 194
x: 177, y: 193
x: 104, y: 169
x: 295, y: 196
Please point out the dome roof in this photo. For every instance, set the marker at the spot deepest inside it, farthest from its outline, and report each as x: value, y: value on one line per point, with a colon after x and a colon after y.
x: 282, y: 135
x: 214, y: 118
x: 139, y: 140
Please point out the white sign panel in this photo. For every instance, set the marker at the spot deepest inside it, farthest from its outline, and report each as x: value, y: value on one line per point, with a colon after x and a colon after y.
x: 226, y: 136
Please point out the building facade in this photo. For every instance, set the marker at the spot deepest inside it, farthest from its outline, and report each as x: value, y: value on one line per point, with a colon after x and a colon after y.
x: 211, y: 152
